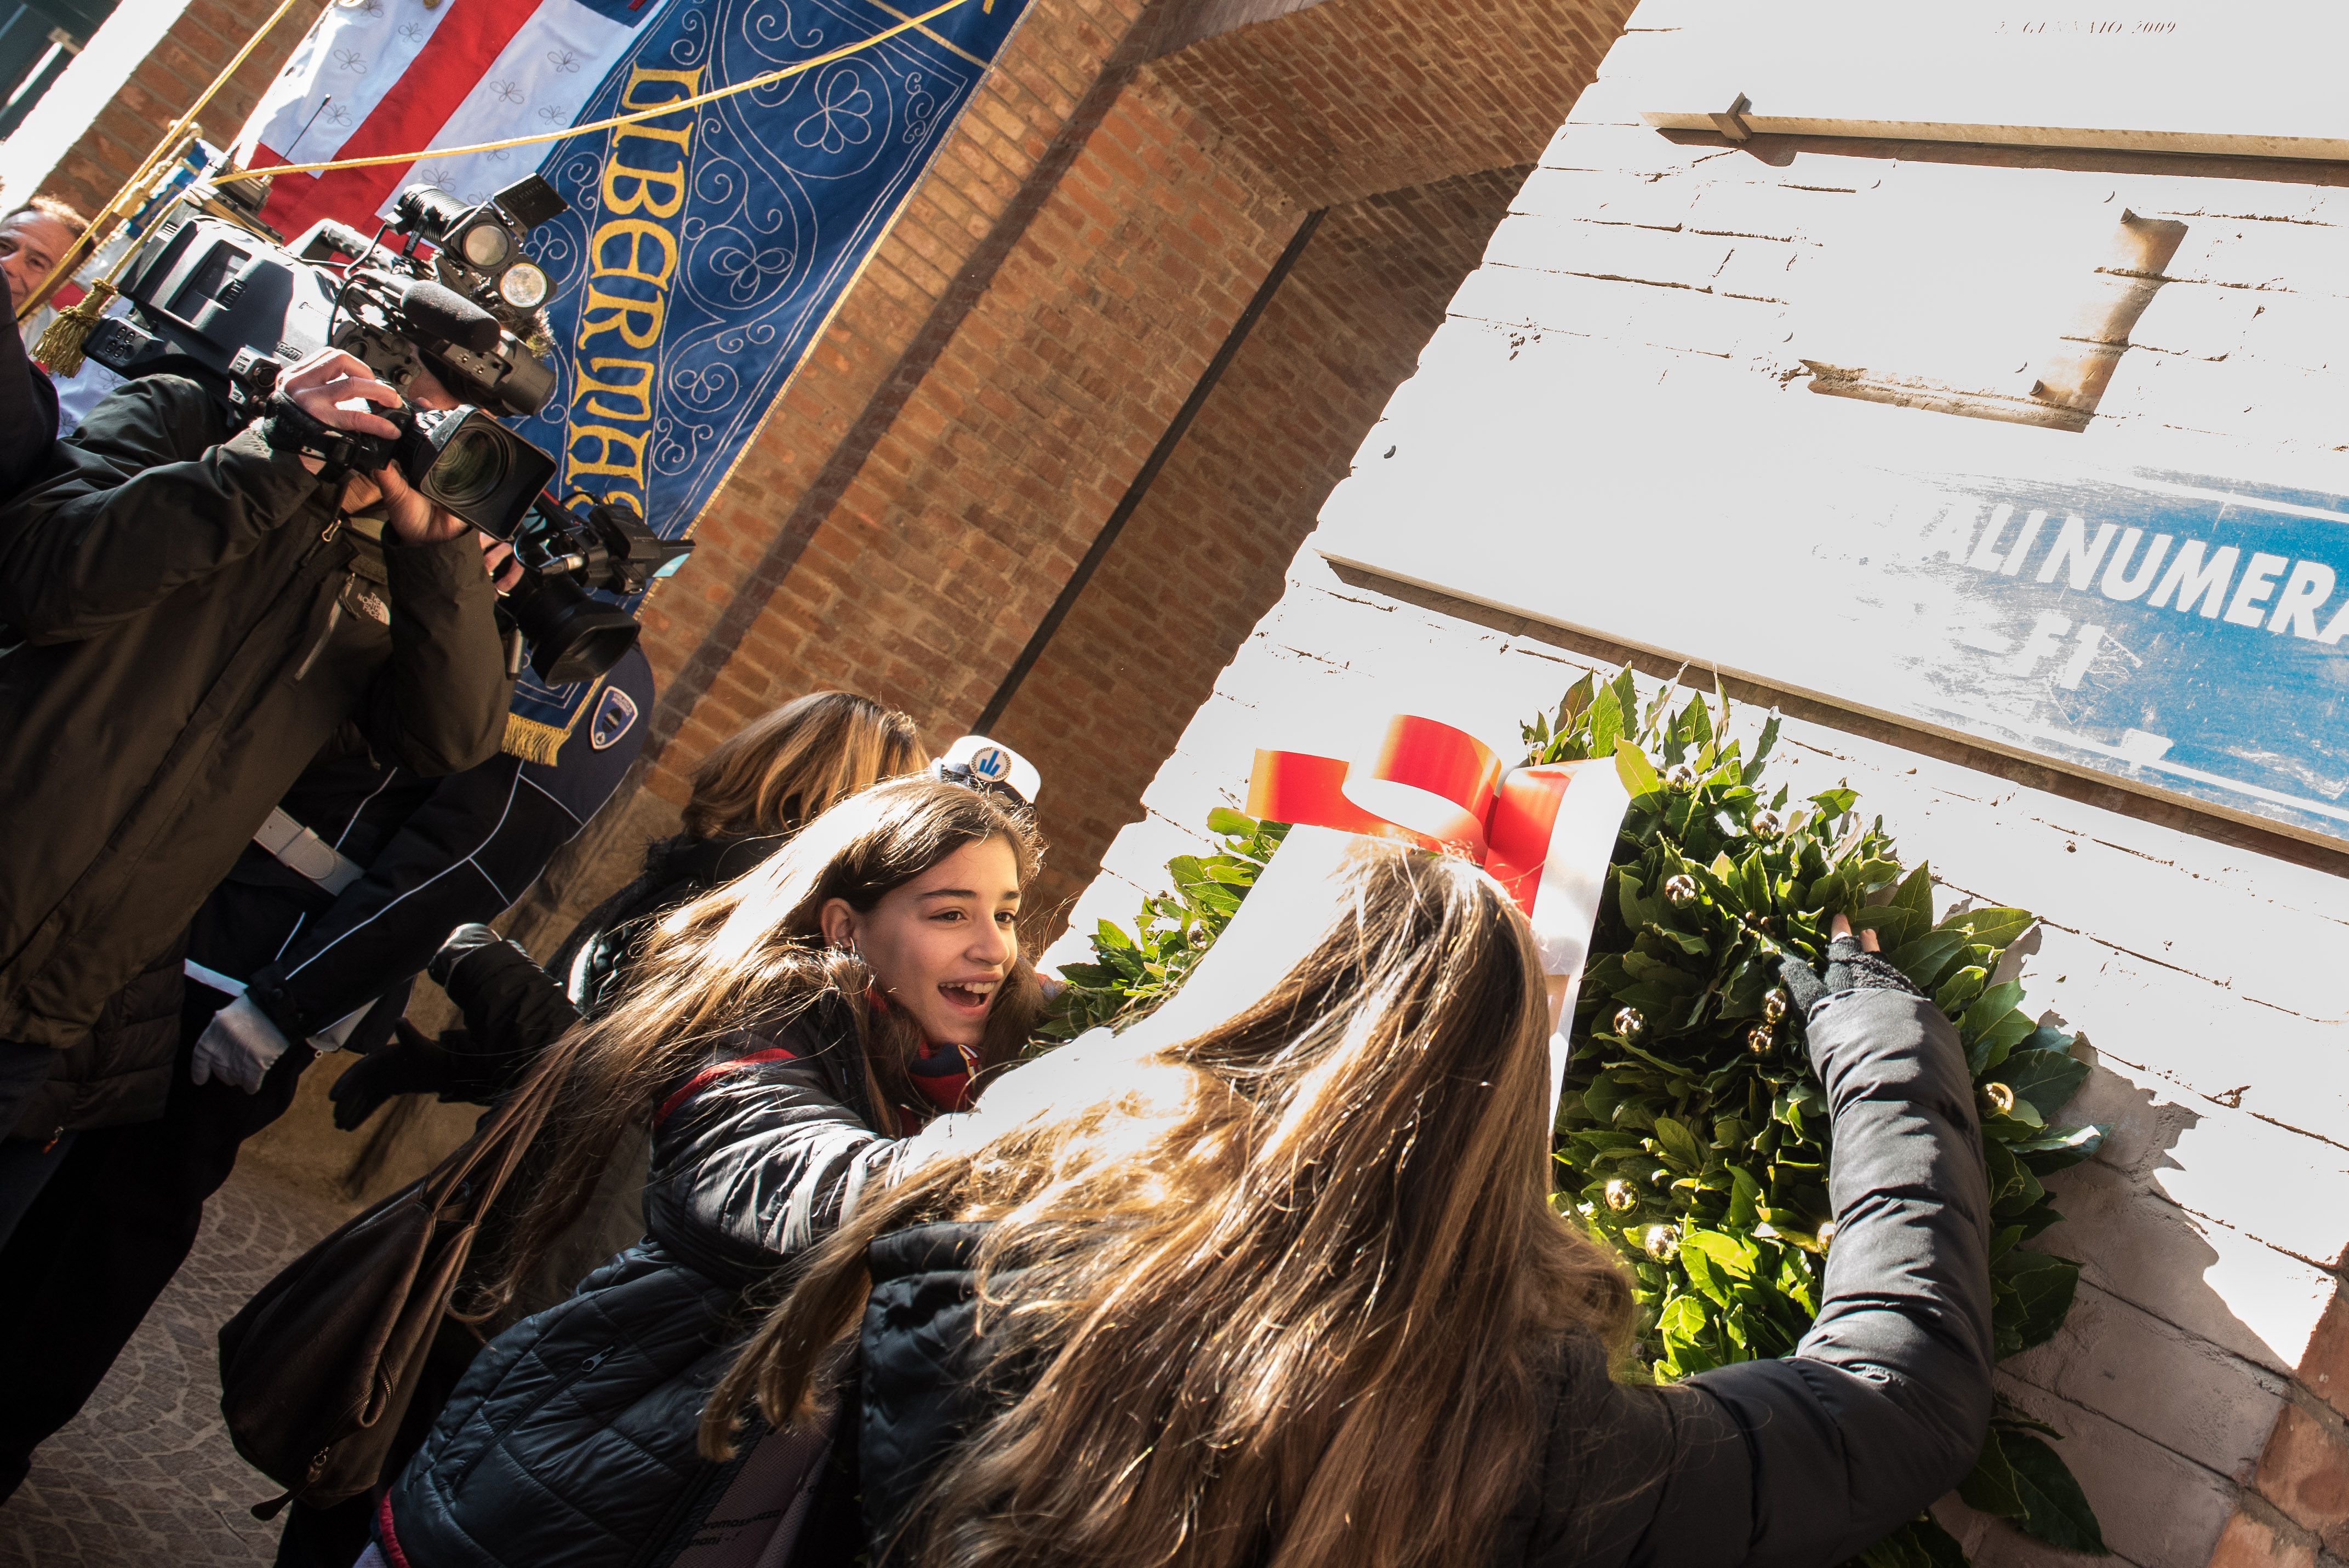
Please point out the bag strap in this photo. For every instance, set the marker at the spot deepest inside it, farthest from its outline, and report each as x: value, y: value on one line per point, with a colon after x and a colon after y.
x: 511, y: 1131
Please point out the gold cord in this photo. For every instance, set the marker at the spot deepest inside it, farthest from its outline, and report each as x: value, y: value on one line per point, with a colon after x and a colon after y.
x: 769, y: 80
x: 134, y: 189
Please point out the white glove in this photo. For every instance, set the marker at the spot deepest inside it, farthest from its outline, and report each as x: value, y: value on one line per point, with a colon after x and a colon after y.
x: 237, y: 1046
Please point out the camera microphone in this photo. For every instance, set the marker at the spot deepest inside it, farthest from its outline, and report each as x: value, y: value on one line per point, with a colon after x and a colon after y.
x: 435, y: 310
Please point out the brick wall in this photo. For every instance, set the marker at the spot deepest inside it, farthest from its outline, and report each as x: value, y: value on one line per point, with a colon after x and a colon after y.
x: 1202, y: 559
x: 926, y: 484
x: 204, y: 38
x: 924, y: 579
x: 1352, y: 98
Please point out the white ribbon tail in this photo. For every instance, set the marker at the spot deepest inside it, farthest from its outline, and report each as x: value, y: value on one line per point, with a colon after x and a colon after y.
x: 1573, y: 881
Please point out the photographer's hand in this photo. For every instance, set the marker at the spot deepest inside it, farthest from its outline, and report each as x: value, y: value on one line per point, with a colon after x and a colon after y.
x: 498, y: 561
x: 408, y: 517
x: 335, y: 389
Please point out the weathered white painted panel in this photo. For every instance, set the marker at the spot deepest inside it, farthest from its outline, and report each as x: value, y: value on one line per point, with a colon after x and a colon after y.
x: 2204, y: 977
x: 1941, y: 549
x: 2208, y: 1317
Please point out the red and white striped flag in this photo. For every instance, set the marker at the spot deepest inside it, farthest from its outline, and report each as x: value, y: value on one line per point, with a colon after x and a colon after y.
x: 399, y: 76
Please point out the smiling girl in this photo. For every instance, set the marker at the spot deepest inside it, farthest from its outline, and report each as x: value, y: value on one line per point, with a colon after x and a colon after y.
x: 793, y: 1028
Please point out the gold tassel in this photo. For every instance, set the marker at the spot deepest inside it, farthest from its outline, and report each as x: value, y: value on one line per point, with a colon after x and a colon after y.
x: 532, y: 740
x: 60, y: 344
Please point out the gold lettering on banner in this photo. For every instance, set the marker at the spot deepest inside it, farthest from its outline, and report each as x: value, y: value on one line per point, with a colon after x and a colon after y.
x: 630, y: 379
x: 632, y: 259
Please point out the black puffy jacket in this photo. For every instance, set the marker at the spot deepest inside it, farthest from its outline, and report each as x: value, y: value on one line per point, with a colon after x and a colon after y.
x: 1801, y: 1461
x: 571, y: 1440
x: 29, y: 418
x: 589, y: 963
x: 514, y: 1008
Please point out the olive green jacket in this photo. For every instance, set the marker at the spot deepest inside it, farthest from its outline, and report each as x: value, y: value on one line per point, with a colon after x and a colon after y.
x: 188, y: 630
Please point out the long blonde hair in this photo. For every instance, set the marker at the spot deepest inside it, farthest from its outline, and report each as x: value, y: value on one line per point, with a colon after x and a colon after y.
x: 789, y: 766
x: 751, y: 955
x: 1290, y: 1294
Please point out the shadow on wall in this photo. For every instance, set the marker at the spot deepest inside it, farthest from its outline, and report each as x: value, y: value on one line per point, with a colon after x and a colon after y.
x: 2163, y: 1391
x: 2163, y: 1455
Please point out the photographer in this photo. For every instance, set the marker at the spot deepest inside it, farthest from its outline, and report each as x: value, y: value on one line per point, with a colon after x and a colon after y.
x: 197, y: 610
x: 306, y: 952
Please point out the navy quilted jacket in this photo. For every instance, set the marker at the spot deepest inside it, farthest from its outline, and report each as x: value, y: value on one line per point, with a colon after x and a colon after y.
x: 570, y: 1442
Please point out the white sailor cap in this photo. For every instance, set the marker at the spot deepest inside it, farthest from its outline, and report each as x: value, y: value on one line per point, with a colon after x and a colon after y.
x: 975, y: 760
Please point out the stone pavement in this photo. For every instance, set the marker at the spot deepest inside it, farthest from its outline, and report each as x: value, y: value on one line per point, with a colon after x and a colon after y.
x: 146, y: 1474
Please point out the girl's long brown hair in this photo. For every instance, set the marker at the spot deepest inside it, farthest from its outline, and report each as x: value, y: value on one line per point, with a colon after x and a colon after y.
x: 1288, y: 1293
x: 751, y: 954
x: 786, y: 766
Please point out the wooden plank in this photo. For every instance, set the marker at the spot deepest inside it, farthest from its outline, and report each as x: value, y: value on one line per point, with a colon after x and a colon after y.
x: 2238, y: 77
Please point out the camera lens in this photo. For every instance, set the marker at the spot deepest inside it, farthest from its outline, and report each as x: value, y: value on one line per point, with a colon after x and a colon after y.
x: 486, y: 246
x: 471, y: 468
x: 524, y: 286
x: 572, y: 636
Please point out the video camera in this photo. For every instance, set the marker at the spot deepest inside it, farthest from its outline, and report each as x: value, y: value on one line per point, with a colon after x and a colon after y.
x: 216, y: 298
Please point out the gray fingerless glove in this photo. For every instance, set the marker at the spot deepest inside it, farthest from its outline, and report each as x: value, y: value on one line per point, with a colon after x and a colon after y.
x: 1849, y: 968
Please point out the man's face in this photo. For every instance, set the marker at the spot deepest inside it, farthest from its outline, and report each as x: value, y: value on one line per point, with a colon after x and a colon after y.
x: 30, y: 244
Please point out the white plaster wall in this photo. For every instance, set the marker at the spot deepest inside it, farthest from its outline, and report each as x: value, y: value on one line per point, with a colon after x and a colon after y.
x: 121, y: 45
x: 2208, y: 980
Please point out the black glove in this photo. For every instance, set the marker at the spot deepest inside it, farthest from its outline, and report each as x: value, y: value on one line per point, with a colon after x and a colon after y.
x: 415, y: 1063
x: 1849, y: 968
x: 461, y: 944
x: 290, y: 429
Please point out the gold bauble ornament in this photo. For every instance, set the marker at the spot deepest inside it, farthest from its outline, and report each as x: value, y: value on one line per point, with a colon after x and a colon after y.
x: 1630, y: 1023
x: 1681, y: 890
x: 1661, y: 1242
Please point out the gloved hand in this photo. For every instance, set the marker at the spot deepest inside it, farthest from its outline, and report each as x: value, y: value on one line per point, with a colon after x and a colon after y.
x: 238, y: 1047
x: 1853, y: 965
x: 461, y: 944
x: 414, y: 1063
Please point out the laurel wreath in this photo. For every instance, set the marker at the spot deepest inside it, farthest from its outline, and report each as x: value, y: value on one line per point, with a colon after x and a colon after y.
x: 1692, y: 1136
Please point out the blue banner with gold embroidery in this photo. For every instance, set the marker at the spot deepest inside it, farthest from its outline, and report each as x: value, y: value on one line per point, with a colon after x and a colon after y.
x: 705, y: 250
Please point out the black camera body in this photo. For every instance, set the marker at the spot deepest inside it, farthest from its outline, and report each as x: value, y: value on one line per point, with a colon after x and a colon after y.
x: 460, y: 458
x: 205, y: 288
x: 602, y: 544
x: 467, y: 463
x: 214, y: 299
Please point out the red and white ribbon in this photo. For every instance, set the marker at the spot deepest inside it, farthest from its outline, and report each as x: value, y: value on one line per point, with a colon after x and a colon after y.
x: 1544, y: 833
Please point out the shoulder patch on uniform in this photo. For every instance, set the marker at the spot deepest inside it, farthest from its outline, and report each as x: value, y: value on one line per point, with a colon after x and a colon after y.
x: 614, y: 717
